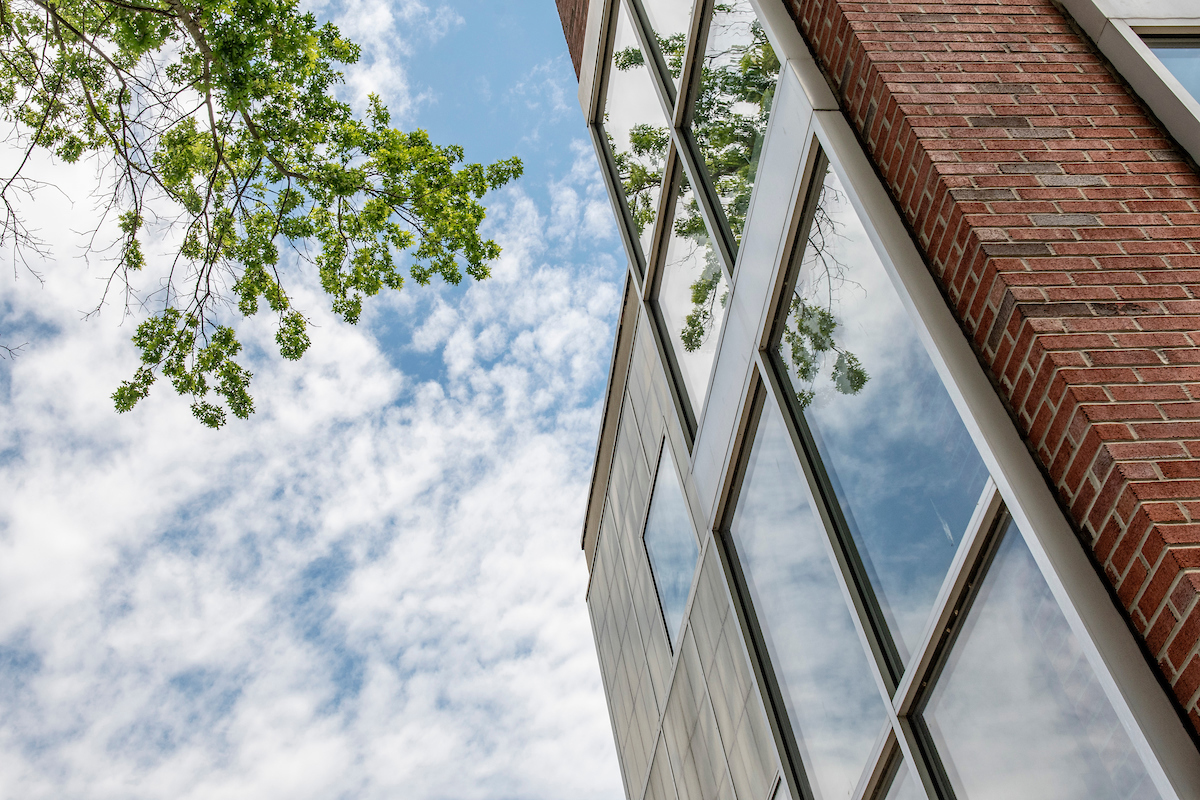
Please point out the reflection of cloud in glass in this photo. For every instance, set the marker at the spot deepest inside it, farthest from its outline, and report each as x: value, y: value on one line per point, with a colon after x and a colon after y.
x: 737, y: 84
x: 669, y: 20
x: 636, y: 126
x: 691, y: 272
x: 1017, y: 711
x: 670, y: 544
x: 904, y: 786
x: 904, y: 468
x: 1182, y: 58
x: 822, y: 670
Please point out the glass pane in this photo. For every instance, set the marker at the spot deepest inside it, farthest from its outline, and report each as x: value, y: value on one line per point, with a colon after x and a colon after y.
x: 831, y: 697
x: 729, y: 120
x: 904, y: 786
x: 902, y: 465
x: 1017, y: 711
x: 1182, y: 57
x: 691, y: 295
x: 636, y: 127
x: 670, y: 544
x: 670, y: 19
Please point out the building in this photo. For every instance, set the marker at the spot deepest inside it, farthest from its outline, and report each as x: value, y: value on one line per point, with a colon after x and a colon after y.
x: 897, y: 488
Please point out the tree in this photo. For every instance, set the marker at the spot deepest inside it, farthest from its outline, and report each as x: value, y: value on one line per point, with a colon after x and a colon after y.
x: 733, y: 102
x: 216, y: 121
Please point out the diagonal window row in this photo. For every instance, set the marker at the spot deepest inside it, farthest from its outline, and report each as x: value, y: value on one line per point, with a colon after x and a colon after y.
x: 912, y: 644
x: 686, y: 99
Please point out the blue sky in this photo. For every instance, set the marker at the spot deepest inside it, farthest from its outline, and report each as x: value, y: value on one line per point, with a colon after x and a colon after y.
x: 373, y: 588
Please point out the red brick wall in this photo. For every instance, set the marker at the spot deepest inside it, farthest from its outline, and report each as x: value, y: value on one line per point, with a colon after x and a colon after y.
x: 573, y: 15
x: 1064, y: 227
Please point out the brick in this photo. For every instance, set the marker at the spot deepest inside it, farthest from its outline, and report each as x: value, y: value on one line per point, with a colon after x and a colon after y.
x: 1063, y: 226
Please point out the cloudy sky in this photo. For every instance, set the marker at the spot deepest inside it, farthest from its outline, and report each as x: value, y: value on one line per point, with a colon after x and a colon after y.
x: 373, y: 588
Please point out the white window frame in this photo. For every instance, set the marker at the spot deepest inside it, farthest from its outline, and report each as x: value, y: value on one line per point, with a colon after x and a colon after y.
x: 1142, y: 706
x: 1115, y: 26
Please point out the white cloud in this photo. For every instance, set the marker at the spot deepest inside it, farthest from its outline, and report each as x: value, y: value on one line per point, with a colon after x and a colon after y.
x: 580, y: 209
x: 386, y: 32
x: 372, y: 587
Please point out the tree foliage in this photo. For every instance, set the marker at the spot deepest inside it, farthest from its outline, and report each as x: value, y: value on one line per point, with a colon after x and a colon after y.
x: 736, y: 85
x: 217, y: 121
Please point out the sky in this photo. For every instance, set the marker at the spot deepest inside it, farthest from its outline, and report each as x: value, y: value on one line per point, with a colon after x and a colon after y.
x: 373, y: 588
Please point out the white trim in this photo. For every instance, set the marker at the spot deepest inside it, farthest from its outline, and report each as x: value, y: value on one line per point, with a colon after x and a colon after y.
x: 1155, y: 729
x: 1114, y: 26
x: 1144, y: 709
x: 970, y: 550
x: 789, y: 46
x: 590, y: 72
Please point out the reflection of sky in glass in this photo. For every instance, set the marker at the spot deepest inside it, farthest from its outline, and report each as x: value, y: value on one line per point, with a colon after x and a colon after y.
x: 904, y: 786
x: 669, y: 20
x: 1017, y: 711
x: 671, y: 544
x: 1182, y: 58
x: 903, y: 466
x: 631, y: 100
x: 689, y: 259
x: 730, y: 119
x: 822, y: 670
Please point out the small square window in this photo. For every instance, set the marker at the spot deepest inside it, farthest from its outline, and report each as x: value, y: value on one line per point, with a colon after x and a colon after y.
x: 670, y: 544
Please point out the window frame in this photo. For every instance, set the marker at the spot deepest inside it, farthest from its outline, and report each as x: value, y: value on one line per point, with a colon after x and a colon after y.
x: 1112, y: 649
x: 683, y: 158
x: 1015, y: 488
x: 664, y: 449
x: 1117, y: 29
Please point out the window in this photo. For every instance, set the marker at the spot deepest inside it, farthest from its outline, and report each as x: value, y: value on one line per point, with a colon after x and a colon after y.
x: 670, y: 544
x: 734, y: 86
x: 893, y: 449
x: 1017, y: 689
x: 720, y: 85
x: 1181, y: 56
x: 690, y: 294
x: 669, y: 21
x: 882, y: 568
x: 635, y: 128
x: 822, y: 673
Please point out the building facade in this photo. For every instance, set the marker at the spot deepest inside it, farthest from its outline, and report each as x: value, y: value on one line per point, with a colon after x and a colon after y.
x: 897, y: 488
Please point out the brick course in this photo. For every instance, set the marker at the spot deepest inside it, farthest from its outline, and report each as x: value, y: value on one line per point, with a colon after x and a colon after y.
x: 1063, y: 226
x: 573, y: 15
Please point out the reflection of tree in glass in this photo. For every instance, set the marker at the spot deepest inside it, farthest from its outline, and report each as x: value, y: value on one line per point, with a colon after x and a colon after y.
x: 700, y: 322
x: 729, y: 122
x: 641, y: 167
x: 808, y: 333
x: 733, y: 103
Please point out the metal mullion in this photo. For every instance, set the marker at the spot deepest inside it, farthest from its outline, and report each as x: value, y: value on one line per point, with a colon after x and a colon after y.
x: 761, y: 665
x: 963, y: 575
x: 883, y: 752
x: 970, y: 564
x: 693, y: 60
x: 646, y: 36
x: 685, y: 408
x: 857, y: 596
x: 917, y: 747
x: 663, y: 220
x: 706, y: 193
